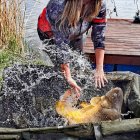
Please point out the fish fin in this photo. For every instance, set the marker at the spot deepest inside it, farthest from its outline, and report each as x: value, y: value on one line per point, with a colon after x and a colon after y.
x: 84, y: 104
x: 95, y: 100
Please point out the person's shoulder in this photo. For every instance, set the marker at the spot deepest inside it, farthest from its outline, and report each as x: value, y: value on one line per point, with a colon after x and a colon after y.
x: 103, y: 6
x: 103, y: 3
x: 56, y: 5
x: 58, y: 2
x: 55, y: 9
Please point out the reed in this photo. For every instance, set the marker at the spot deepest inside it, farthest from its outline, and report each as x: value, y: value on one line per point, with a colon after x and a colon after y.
x: 11, y: 32
x: 11, y: 26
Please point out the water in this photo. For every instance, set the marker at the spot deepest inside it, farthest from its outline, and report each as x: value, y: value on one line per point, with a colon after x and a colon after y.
x: 29, y: 92
x: 125, y: 9
x: 33, y: 9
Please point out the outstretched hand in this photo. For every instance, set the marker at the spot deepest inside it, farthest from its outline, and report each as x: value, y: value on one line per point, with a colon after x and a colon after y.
x: 74, y: 85
x: 100, y: 78
x: 66, y: 71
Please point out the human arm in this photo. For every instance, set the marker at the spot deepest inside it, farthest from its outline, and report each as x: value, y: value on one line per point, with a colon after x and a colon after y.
x: 54, y: 11
x: 99, y: 74
x: 66, y: 70
x: 98, y: 38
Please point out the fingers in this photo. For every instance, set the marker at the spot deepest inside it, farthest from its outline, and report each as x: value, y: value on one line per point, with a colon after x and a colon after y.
x: 96, y: 83
x: 77, y: 93
x: 76, y: 88
x: 100, y: 81
x: 105, y: 79
x: 66, y: 94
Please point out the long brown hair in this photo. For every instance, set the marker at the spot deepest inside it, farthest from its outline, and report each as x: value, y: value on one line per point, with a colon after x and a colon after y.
x: 74, y: 8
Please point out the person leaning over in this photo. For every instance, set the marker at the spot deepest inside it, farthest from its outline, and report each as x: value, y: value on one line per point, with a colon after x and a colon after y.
x: 65, y: 21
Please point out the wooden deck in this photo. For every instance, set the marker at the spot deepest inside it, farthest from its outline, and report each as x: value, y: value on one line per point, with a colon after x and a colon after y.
x: 122, y: 43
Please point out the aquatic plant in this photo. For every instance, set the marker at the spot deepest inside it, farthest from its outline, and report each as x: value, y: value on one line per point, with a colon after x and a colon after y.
x: 11, y: 25
x: 11, y: 31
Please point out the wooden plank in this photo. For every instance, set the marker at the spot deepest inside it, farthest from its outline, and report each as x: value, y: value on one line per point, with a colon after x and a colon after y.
x: 9, y: 137
x: 107, y: 128
x: 117, y: 52
x: 37, y: 130
x: 110, y: 46
x: 117, y: 59
x: 116, y: 127
x: 122, y: 38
